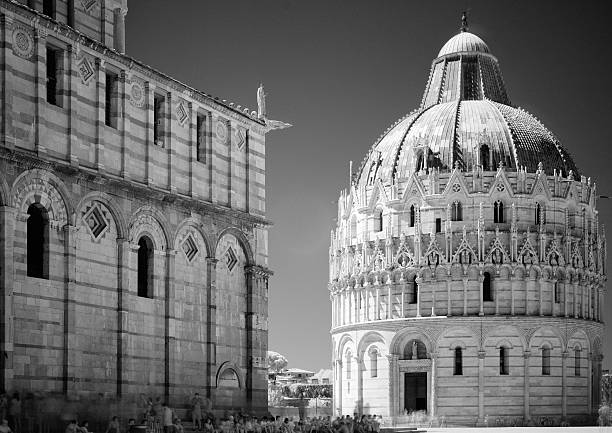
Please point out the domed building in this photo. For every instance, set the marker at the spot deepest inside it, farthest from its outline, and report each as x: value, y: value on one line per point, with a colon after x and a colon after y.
x: 467, y: 268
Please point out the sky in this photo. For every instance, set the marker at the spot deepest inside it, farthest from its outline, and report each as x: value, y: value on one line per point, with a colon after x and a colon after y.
x: 342, y: 71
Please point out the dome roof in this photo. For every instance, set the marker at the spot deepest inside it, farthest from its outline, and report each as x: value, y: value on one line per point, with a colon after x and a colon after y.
x: 464, y: 42
x: 465, y: 120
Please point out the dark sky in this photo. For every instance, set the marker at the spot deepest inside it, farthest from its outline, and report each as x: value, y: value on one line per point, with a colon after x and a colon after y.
x: 341, y: 71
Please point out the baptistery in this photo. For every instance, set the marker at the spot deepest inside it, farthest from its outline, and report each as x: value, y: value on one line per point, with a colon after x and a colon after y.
x: 467, y: 267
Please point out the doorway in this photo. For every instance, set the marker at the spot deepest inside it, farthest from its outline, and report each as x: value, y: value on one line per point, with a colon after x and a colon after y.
x: 415, y: 391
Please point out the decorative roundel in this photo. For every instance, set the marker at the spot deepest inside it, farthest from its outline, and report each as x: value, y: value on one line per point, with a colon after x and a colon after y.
x: 137, y: 94
x: 221, y: 130
x: 23, y: 43
x: 456, y: 187
x: 500, y: 187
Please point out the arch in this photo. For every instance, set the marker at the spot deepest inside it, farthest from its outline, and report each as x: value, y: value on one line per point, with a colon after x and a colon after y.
x: 504, y: 343
x: 458, y: 361
x: 484, y: 155
x: 543, y: 332
x: 345, y: 342
x: 487, y: 287
x: 242, y: 241
x: 194, y: 224
x: 456, y: 211
x: 110, y: 204
x: 402, y: 337
x: 580, y: 335
x: 149, y: 221
x: 41, y: 186
x: 223, y: 368
x: 457, y: 343
x: 369, y: 339
x: 503, y: 334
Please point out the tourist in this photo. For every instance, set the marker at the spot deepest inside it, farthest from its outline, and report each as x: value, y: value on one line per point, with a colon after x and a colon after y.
x: 72, y: 427
x: 14, y: 412
x: 84, y: 428
x: 166, y: 417
x: 132, y: 426
x: 178, y: 426
x: 208, y: 426
x: 4, y: 427
x: 3, y: 406
x: 196, y: 411
x: 113, y: 426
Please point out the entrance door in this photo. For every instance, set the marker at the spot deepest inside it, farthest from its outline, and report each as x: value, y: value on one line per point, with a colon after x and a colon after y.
x: 415, y: 391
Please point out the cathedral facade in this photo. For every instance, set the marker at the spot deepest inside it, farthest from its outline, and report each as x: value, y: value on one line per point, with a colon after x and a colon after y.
x: 467, y: 268
x: 133, y: 245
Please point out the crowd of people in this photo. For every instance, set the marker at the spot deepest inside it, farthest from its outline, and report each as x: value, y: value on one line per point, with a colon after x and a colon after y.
x: 165, y: 421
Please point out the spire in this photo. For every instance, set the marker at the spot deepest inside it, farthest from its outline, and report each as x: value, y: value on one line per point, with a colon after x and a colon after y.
x: 464, y: 22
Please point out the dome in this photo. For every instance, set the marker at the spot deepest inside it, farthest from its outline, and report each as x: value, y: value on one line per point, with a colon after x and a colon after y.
x: 465, y: 120
x: 464, y: 42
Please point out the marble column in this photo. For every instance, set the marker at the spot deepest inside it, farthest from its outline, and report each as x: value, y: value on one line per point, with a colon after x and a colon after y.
x: 526, y: 415
x: 393, y: 384
x: 432, y: 405
x: 481, y: 387
x: 465, y: 301
x: 418, y: 281
x: 564, y: 384
x: 480, y: 283
x: 119, y: 31
x: 449, y: 311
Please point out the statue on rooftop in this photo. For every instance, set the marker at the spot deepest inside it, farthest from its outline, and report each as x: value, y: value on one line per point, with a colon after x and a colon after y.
x: 261, y: 102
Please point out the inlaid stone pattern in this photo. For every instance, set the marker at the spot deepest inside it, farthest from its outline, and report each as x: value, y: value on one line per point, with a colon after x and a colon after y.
x: 96, y: 222
x: 23, y: 42
x: 86, y: 69
x: 137, y: 93
x: 230, y: 259
x: 89, y: 5
x: 190, y: 248
x: 182, y: 114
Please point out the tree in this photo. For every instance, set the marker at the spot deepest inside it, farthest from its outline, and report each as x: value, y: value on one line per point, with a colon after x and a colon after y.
x: 276, y: 362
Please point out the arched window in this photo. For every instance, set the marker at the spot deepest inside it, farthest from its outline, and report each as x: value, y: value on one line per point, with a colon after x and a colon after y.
x: 487, y: 292
x: 557, y: 292
x: 539, y: 214
x: 38, y: 242
x: 378, y: 220
x: 545, y: 361
x: 348, y: 365
x: 145, y: 267
x: 456, y: 211
x: 484, y: 157
x: 577, y: 353
x: 415, y: 290
x: 412, y: 216
x: 373, y: 362
x: 504, y: 368
x: 458, y: 371
x: 498, y: 212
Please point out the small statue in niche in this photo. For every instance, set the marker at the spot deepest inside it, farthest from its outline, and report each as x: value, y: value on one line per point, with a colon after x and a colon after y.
x: 415, y: 354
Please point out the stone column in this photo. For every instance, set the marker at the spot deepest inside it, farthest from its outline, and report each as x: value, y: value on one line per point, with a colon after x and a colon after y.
x: 480, y: 283
x: 575, y: 295
x: 69, y: 358
x: 465, y: 301
x: 359, y: 365
x: 590, y: 360
x: 377, y: 313
x: 338, y: 390
x: 565, y: 299
x: 150, y: 141
x: 526, y: 415
x: 512, y: 284
x: 169, y: 143
x: 449, y: 310
x: 73, y: 122
x: 418, y: 297
x: 8, y: 218
x: 7, y: 81
x: 389, y: 303
x: 432, y: 404
x: 564, y: 384
x: 100, y: 84
x: 119, y: 31
x: 123, y: 290
x: 393, y: 383
x: 125, y: 124
x: 481, y: 387
x: 211, y: 326
x: 170, y: 324
x: 540, y: 302
x: 40, y: 95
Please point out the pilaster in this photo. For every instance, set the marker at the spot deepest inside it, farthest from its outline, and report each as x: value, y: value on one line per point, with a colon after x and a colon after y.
x: 211, y: 326
x: 526, y: 394
x: 124, y: 257
x: 7, y: 236
x: 169, y: 322
x: 481, y: 388
x: 40, y: 96
x: 73, y: 122
x: 7, y: 134
x: 99, y: 110
x: 69, y: 353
